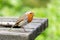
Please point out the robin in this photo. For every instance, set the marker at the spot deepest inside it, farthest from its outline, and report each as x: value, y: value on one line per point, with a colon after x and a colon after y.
x: 24, y: 20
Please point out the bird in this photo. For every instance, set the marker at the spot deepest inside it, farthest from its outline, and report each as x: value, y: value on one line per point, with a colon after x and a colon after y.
x: 24, y: 20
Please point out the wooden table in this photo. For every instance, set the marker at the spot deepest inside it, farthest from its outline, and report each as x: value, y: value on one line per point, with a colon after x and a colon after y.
x: 33, y: 29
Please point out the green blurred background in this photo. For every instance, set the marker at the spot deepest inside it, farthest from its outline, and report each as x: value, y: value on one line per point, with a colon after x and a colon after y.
x: 42, y: 8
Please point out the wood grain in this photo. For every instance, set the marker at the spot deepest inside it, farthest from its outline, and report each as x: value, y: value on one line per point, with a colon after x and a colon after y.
x: 33, y: 29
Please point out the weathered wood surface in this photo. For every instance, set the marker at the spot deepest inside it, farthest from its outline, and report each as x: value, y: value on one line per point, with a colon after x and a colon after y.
x: 33, y: 29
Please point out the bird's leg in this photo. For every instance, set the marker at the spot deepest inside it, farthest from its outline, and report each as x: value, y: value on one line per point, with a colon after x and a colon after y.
x: 23, y: 28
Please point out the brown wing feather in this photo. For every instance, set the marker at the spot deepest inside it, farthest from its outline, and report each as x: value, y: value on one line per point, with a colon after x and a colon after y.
x: 19, y: 20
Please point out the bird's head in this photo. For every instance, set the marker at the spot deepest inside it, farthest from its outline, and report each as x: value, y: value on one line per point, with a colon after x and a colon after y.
x: 30, y: 15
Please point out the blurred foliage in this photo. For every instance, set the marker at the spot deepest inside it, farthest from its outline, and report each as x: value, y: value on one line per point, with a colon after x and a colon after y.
x: 42, y: 8
x: 35, y: 3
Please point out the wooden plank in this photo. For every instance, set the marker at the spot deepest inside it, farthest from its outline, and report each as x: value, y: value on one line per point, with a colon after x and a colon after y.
x: 33, y: 29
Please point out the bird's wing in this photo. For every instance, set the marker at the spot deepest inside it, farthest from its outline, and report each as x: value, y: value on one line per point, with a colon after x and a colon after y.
x: 24, y: 22
x: 19, y: 20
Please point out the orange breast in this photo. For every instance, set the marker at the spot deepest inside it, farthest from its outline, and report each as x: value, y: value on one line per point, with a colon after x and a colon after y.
x: 30, y: 17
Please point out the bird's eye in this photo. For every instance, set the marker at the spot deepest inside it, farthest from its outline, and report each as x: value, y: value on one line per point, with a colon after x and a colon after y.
x: 30, y: 13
